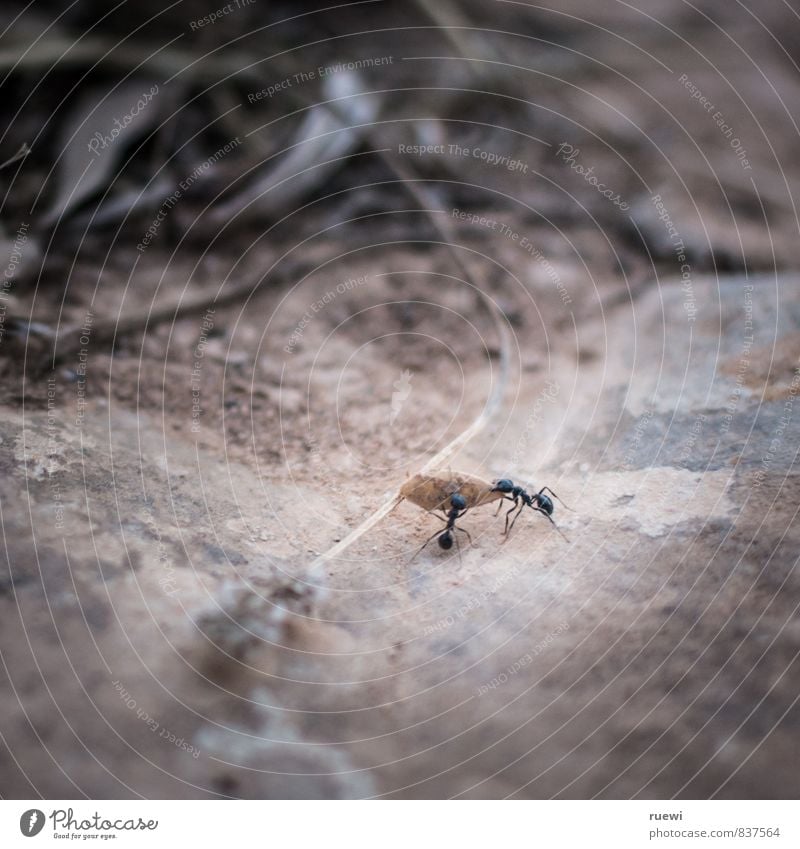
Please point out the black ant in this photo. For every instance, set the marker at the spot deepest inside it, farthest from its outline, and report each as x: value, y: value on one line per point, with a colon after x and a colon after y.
x: 539, y: 502
x: 458, y: 507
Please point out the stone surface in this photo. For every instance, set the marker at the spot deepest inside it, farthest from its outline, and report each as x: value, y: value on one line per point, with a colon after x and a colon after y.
x: 163, y: 634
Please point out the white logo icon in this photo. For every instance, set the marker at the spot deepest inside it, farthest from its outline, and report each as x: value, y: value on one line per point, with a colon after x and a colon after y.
x: 31, y: 822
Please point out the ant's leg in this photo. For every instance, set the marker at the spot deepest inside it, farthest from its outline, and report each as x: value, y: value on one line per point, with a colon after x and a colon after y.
x: 513, y: 521
x: 554, y: 496
x: 458, y: 549
x: 425, y: 544
x: 517, y: 506
x: 500, y: 504
x: 550, y: 519
x: 464, y: 531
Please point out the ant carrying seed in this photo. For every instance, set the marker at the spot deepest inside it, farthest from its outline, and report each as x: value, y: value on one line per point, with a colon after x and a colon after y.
x: 458, y: 507
x: 539, y: 502
x: 436, y: 490
x: 432, y: 491
x: 439, y: 490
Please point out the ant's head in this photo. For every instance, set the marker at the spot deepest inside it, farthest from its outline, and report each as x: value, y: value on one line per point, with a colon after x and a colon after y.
x: 545, y: 503
x: 458, y: 502
x: 446, y: 540
x: 503, y: 485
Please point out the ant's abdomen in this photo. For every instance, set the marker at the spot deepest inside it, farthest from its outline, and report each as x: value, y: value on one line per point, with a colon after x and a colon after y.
x: 546, y: 504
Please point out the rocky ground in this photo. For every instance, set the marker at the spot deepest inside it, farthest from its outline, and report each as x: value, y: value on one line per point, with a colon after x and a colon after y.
x: 167, y: 628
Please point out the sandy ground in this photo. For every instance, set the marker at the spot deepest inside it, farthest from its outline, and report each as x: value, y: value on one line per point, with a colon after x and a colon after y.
x: 166, y: 628
x: 653, y: 654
